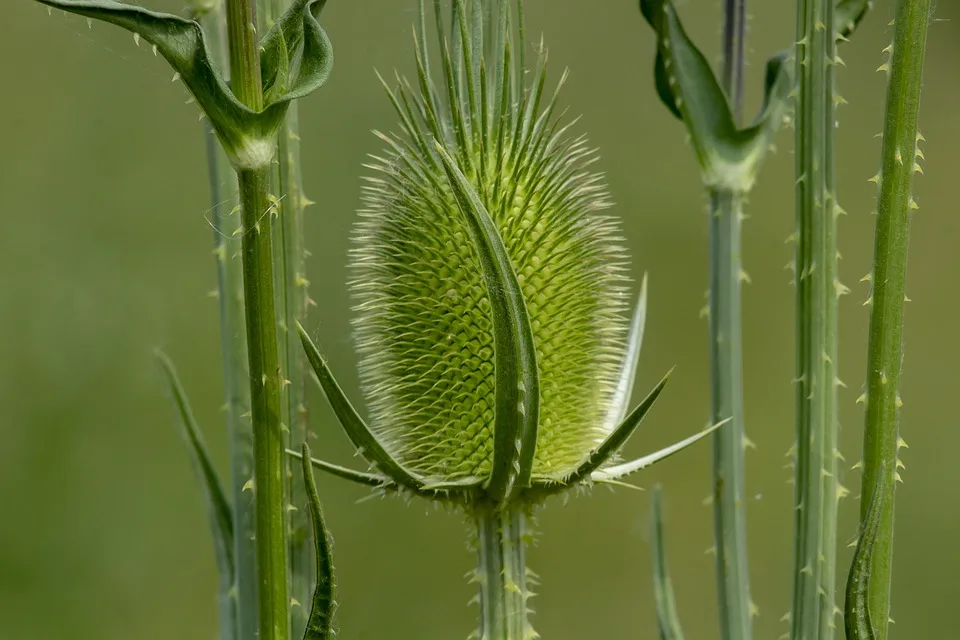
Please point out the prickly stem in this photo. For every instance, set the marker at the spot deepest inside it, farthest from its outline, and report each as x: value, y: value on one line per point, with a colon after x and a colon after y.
x: 502, y: 573
x: 270, y: 463
x: 227, y: 248
x: 817, y: 292
x: 733, y: 584
x: 900, y: 161
x: 288, y: 203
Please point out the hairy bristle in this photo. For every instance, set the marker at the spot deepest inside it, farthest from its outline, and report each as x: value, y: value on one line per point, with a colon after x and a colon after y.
x: 423, y: 328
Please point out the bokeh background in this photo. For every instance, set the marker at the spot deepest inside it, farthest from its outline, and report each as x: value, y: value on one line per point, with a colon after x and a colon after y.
x: 105, y: 252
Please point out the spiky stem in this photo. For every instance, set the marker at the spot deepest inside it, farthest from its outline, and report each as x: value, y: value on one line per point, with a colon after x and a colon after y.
x: 502, y: 574
x: 227, y: 247
x: 727, y: 404
x: 733, y: 588
x: 265, y: 374
x: 900, y: 157
x: 291, y: 303
x: 818, y: 287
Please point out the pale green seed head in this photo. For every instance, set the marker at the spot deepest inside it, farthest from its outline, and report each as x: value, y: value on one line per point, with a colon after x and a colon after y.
x: 423, y: 324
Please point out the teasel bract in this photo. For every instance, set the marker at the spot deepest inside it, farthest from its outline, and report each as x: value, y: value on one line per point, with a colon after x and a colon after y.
x: 495, y: 347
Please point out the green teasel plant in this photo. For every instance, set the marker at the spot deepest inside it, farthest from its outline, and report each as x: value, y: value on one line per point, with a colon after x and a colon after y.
x: 729, y: 156
x: 495, y: 353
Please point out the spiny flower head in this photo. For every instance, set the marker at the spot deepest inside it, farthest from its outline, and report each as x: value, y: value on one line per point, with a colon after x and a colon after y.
x: 424, y: 329
x: 496, y: 356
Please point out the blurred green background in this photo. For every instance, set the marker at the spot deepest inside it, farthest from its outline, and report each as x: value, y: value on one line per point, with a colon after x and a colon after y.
x: 106, y: 253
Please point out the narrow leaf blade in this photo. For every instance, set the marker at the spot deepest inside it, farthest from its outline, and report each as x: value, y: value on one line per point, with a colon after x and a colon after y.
x: 622, y: 470
x: 620, y: 403
x: 517, y: 379
x: 668, y: 622
x: 358, y: 477
x: 356, y: 429
x: 617, y: 438
x: 219, y: 512
x: 321, y: 611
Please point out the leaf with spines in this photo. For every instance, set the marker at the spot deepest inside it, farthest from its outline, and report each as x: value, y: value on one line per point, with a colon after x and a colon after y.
x: 613, y: 442
x: 356, y: 428
x: 318, y: 625
x: 517, y: 410
x: 617, y: 472
x: 297, y: 58
x: 668, y: 622
x: 218, y: 507
x: 729, y: 156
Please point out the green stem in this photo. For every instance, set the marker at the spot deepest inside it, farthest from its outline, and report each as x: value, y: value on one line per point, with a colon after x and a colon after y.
x: 816, y: 490
x: 226, y: 224
x: 265, y: 375
x: 291, y: 302
x: 734, y: 45
x: 727, y: 403
x: 503, y: 574
x: 900, y: 153
x: 268, y: 437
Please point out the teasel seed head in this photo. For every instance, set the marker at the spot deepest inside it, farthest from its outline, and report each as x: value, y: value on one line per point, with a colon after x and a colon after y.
x: 496, y: 352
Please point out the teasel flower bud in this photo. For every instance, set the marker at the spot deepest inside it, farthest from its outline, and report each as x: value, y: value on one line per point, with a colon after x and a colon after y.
x: 495, y: 347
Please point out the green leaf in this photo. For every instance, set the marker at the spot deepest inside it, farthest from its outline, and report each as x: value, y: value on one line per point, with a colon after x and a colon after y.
x: 362, y: 478
x: 620, y: 403
x: 668, y: 622
x: 296, y: 54
x: 360, y: 435
x: 857, y: 622
x: 848, y: 14
x: 729, y: 157
x: 218, y: 508
x: 612, y: 444
x: 516, y: 415
x: 616, y: 473
x: 321, y: 611
x: 297, y: 57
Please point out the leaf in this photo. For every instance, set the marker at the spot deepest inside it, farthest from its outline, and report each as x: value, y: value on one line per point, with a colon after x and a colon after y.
x: 668, y: 622
x: 359, y: 477
x: 848, y: 14
x: 611, y: 474
x: 517, y: 380
x: 613, y: 442
x: 857, y: 622
x: 321, y: 611
x: 248, y: 136
x: 729, y: 157
x: 218, y: 508
x: 620, y: 403
x: 360, y: 435
x: 296, y: 53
